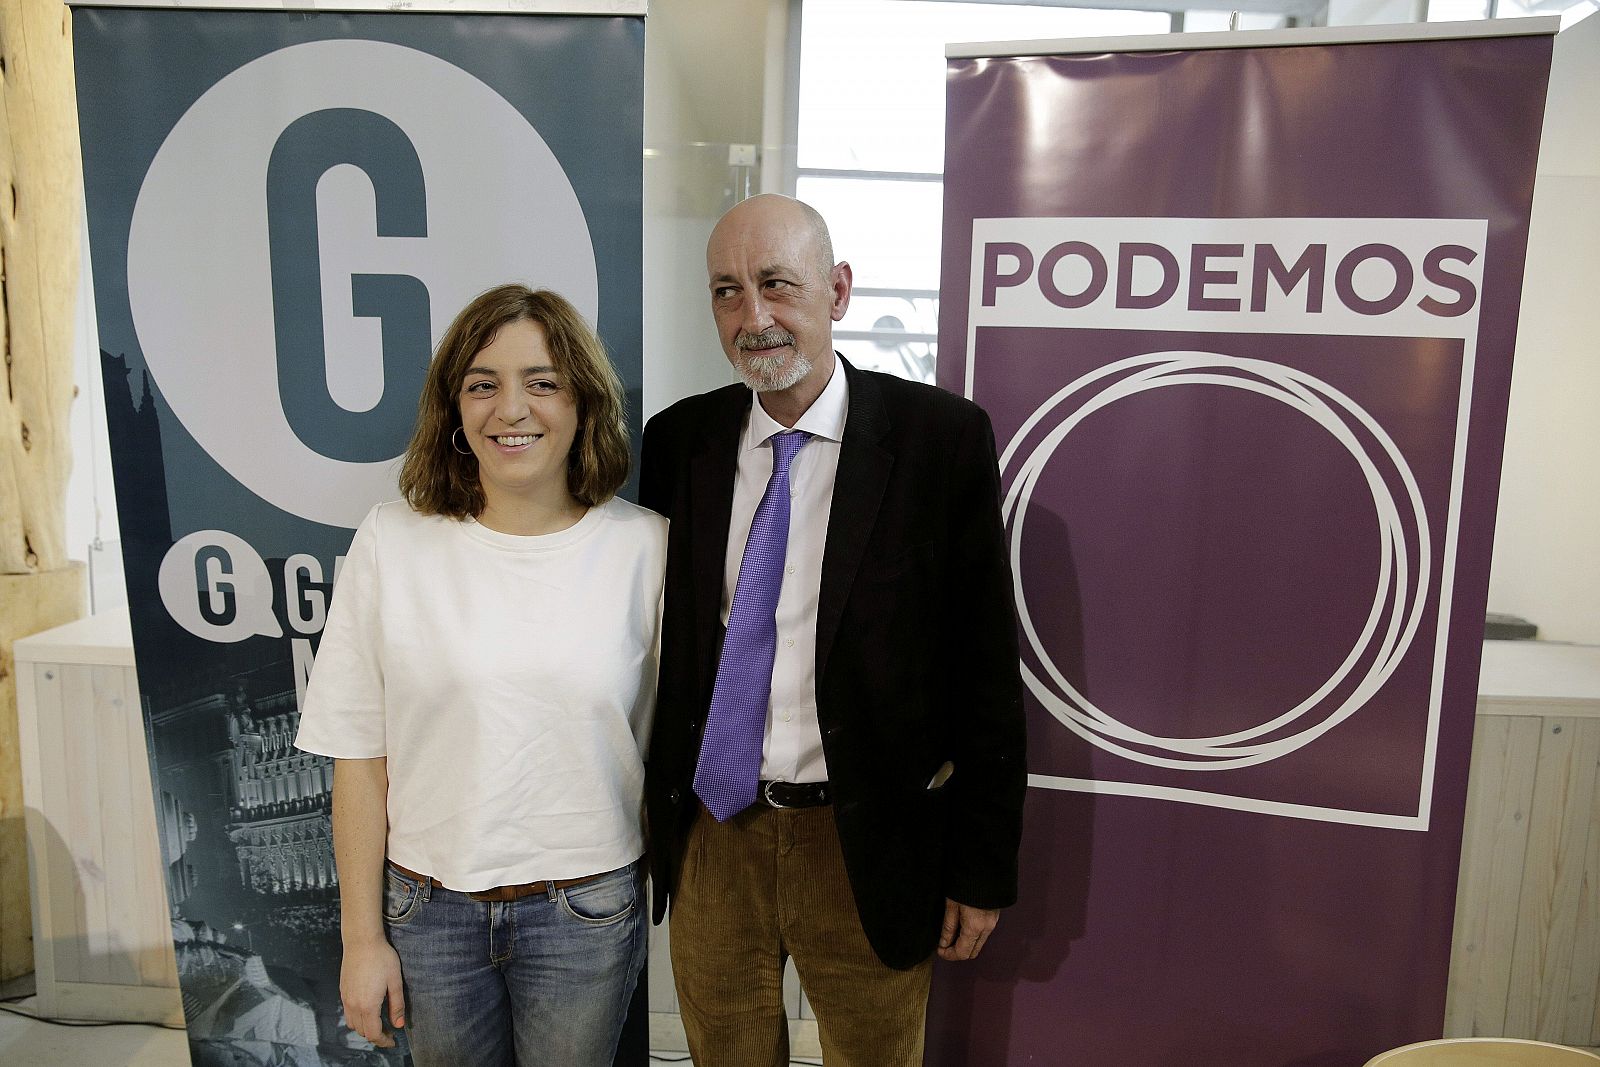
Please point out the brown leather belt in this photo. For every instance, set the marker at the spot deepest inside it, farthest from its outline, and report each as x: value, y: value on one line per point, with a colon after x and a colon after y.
x: 500, y: 893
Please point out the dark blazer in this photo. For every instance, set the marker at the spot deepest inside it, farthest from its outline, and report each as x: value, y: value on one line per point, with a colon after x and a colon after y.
x: 916, y: 649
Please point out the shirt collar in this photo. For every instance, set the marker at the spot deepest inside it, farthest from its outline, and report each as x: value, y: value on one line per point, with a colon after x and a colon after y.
x: 824, y: 418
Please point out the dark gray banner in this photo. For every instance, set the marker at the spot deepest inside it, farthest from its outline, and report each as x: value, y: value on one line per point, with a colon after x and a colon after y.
x: 285, y: 211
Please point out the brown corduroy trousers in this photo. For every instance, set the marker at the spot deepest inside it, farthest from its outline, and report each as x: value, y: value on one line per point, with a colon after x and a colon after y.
x: 766, y: 885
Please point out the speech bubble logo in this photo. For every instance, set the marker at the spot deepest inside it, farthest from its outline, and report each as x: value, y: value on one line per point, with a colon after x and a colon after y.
x: 215, y: 585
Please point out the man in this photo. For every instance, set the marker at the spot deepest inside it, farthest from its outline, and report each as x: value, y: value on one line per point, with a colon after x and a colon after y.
x: 836, y: 768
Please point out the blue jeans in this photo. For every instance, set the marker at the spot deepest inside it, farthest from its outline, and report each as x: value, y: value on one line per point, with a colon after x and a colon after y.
x: 542, y: 980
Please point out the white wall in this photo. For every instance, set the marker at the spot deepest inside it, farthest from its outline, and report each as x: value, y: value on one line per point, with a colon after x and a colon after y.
x: 1547, y: 541
x: 92, y: 531
x: 705, y: 77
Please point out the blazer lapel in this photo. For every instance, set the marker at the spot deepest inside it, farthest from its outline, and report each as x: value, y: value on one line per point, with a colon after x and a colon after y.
x: 712, y: 471
x: 864, y: 467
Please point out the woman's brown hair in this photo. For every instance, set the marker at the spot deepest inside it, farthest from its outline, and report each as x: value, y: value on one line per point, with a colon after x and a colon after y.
x: 439, y: 480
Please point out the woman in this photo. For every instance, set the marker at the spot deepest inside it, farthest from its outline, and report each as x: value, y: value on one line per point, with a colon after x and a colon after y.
x: 484, y: 686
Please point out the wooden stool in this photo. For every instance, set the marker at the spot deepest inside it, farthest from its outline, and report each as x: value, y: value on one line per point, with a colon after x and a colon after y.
x: 1484, y: 1052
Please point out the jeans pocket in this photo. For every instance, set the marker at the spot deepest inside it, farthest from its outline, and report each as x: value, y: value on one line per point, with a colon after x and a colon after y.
x: 401, y: 897
x: 606, y: 900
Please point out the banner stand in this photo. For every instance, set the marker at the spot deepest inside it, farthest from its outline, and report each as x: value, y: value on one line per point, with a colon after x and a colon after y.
x: 287, y: 207
x: 1241, y: 308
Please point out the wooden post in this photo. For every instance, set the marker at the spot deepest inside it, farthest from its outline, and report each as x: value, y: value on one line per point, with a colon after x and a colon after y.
x: 41, y: 194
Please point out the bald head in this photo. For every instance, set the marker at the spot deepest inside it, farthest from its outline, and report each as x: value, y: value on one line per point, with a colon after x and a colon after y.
x: 770, y: 215
x: 776, y: 293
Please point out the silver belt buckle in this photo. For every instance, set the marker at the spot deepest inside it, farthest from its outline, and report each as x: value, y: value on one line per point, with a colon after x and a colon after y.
x: 766, y: 794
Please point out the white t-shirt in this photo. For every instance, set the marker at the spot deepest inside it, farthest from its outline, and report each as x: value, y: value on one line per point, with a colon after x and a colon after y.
x: 510, y: 682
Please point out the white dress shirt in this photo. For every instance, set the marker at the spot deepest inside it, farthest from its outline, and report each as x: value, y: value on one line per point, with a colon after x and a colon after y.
x: 791, y: 749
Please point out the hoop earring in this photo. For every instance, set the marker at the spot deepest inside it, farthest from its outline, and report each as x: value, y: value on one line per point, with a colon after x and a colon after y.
x: 458, y: 448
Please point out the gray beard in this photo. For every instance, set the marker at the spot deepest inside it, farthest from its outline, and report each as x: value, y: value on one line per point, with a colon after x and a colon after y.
x: 769, y: 374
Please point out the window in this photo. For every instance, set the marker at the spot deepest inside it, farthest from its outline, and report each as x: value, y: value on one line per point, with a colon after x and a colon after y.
x: 1463, y: 10
x: 871, y: 148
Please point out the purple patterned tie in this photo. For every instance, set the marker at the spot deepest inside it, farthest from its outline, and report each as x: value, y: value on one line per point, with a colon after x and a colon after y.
x: 730, y: 752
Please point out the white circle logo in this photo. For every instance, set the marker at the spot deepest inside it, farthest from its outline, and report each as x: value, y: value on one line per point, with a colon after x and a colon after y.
x: 1402, y: 586
x: 498, y: 207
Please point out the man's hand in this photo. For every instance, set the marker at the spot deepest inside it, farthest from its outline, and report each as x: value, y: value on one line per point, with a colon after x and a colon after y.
x: 369, y: 973
x: 965, y: 931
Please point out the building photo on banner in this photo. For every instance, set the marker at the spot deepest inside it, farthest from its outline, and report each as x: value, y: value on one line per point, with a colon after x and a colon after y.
x: 1282, y: 320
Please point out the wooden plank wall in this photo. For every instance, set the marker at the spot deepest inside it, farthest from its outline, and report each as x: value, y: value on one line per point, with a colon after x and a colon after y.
x: 105, y: 949
x: 29, y: 603
x: 1527, y: 935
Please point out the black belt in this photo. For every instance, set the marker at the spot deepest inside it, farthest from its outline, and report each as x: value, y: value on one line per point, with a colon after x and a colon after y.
x: 793, y: 794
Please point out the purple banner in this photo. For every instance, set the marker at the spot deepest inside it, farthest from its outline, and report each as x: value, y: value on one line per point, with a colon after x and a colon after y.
x: 1243, y: 319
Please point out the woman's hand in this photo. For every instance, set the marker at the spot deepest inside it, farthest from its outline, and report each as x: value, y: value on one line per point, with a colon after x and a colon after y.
x: 371, y: 972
